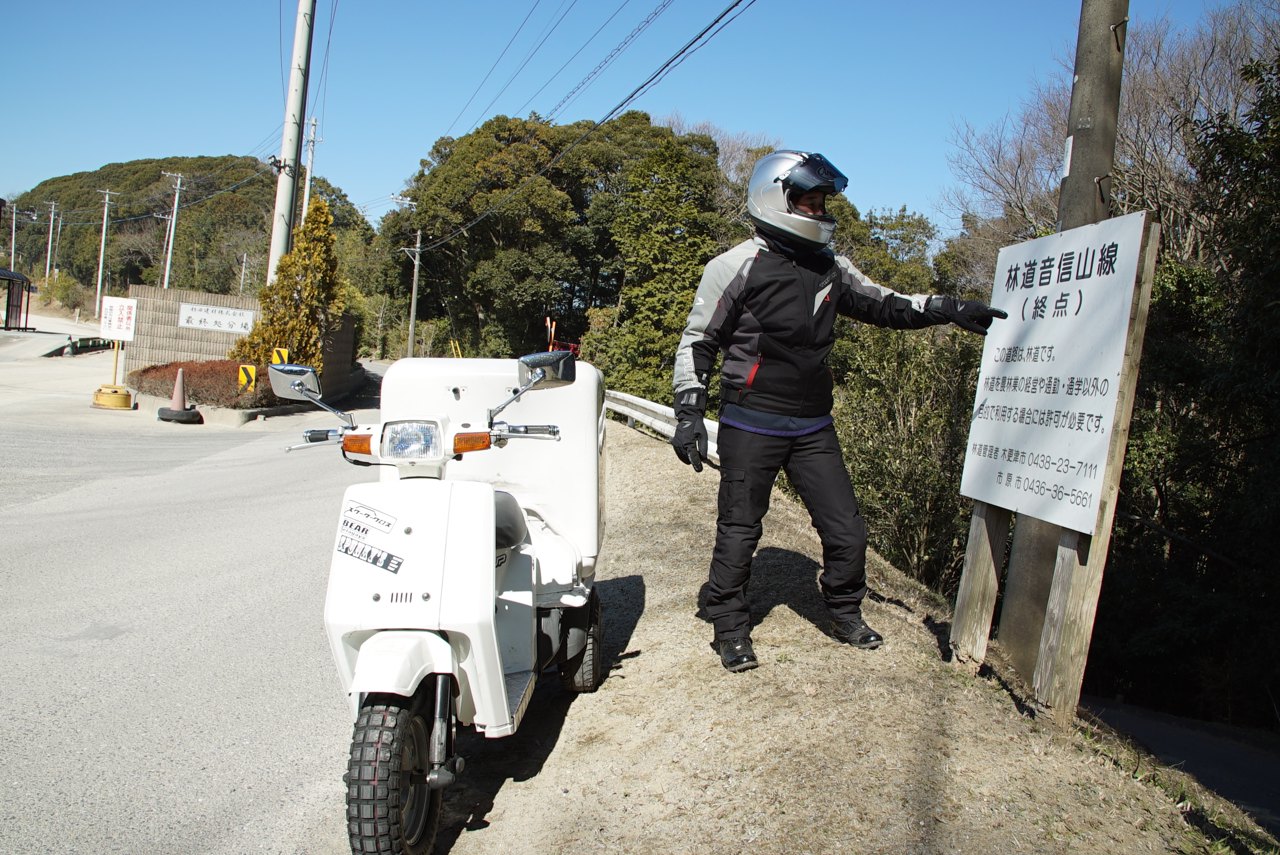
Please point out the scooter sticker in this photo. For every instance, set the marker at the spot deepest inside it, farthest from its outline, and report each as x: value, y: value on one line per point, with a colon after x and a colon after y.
x: 366, y: 515
x: 368, y: 554
x: 355, y: 529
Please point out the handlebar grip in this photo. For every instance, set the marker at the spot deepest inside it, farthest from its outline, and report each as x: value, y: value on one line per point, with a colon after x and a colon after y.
x: 318, y: 435
x: 544, y: 430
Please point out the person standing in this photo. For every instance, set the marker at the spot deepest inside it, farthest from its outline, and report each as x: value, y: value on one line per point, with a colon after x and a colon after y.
x: 768, y: 308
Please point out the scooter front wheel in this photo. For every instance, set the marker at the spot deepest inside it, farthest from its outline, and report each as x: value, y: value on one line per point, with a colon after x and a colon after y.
x: 390, y: 808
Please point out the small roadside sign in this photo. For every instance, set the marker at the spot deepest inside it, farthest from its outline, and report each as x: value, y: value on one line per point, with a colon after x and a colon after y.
x: 248, y: 378
x: 280, y: 356
x: 119, y: 317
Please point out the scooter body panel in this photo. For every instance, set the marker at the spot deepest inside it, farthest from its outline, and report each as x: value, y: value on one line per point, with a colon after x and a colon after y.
x: 418, y: 555
x: 560, y: 482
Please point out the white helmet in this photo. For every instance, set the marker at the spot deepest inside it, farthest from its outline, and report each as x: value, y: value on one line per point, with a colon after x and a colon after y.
x: 776, y: 180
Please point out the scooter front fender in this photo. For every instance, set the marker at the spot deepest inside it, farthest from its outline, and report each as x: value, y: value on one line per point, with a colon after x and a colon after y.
x: 396, y: 661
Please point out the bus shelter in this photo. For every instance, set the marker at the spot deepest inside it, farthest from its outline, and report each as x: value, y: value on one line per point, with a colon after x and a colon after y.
x: 17, y: 300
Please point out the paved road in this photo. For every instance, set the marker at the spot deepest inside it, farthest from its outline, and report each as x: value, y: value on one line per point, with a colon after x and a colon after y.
x: 167, y: 686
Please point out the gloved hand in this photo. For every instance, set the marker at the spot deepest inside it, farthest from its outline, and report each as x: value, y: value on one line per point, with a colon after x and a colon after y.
x: 690, y: 439
x: 969, y: 315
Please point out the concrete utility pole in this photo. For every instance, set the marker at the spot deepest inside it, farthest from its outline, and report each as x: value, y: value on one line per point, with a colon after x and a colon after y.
x: 173, y: 225
x: 311, y: 157
x: 102, y: 250
x: 57, y: 245
x: 48, y: 255
x: 416, y: 252
x: 291, y: 144
x: 244, y: 265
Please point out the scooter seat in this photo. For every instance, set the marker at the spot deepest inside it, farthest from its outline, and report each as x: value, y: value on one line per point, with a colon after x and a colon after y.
x: 509, y: 525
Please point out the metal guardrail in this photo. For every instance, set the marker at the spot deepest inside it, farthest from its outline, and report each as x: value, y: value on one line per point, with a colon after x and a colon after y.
x: 656, y: 417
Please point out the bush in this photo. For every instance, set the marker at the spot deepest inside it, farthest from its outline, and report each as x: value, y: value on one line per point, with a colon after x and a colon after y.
x: 215, y: 383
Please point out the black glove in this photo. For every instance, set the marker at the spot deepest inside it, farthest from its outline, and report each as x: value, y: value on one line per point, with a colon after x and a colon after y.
x: 690, y: 439
x: 967, y: 314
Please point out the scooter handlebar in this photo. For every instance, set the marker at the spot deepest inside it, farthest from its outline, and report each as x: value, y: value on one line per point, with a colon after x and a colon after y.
x: 509, y: 431
x: 317, y: 436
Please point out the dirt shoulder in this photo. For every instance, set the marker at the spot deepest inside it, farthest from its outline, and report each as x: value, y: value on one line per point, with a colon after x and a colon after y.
x: 823, y: 749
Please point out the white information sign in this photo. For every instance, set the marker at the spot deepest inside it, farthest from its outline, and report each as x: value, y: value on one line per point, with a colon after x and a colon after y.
x: 118, y: 319
x: 1046, y: 399
x: 215, y: 318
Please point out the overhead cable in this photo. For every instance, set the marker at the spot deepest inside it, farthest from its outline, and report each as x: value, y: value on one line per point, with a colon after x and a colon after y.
x: 676, y: 58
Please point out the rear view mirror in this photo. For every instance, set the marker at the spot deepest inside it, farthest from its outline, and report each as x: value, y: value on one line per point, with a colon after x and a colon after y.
x: 559, y: 368
x: 294, y: 382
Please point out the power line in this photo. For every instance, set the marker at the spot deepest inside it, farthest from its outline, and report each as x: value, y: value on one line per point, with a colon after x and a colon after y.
x: 527, y: 58
x: 606, y: 23
x: 689, y: 47
x: 480, y: 86
x: 608, y: 60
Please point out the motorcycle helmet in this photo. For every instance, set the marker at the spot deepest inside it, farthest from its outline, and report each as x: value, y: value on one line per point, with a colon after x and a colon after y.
x: 777, y: 180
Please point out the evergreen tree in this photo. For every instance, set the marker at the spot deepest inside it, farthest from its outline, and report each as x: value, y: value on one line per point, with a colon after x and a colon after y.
x: 305, y: 302
x: 663, y: 231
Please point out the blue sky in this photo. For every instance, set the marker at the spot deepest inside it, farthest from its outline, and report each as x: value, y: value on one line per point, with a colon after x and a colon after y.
x: 877, y: 87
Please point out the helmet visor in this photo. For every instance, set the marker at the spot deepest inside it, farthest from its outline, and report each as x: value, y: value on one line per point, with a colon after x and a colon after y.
x: 815, y: 172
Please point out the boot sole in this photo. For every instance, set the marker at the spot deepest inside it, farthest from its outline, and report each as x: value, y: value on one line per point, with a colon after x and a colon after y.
x: 741, y: 666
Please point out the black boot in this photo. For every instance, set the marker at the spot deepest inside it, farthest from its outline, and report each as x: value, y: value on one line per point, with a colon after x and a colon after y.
x: 856, y: 632
x: 736, y: 653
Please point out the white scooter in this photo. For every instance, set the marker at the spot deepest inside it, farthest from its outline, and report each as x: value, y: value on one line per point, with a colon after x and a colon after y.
x: 460, y: 575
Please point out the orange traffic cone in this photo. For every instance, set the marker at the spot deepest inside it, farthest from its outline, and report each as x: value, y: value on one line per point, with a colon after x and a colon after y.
x: 177, y: 410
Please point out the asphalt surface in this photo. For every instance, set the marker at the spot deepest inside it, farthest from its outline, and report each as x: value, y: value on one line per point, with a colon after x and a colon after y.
x: 167, y: 687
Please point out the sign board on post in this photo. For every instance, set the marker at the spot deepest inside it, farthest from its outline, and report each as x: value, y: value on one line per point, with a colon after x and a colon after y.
x: 215, y: 318
x: 119, y: 318
x: 1047, y: 388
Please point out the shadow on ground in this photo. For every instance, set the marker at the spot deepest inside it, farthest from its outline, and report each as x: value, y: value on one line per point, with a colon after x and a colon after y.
x: 519, y: 757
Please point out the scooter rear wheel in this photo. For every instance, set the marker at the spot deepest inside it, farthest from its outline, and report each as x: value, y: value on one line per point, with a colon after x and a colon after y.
x: 390, y: 808
x: 585, y: 672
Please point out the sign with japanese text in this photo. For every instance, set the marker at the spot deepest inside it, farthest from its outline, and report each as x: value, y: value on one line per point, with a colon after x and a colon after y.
x: 1046, y: 398
x: 119, y: 318
x: 215, y: 318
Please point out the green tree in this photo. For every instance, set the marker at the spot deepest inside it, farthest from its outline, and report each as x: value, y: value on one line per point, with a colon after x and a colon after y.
x: 664, y: 230
x: 305, y: 302
x: 1197, y: 506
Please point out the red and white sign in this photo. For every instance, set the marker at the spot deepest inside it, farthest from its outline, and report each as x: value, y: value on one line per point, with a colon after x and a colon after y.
x: 119, y: 318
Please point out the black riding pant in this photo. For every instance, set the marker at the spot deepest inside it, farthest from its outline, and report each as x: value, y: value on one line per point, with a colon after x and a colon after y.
x: 749, y: 464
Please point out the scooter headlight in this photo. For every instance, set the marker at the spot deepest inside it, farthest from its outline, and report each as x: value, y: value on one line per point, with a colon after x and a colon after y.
x: 412, y: 441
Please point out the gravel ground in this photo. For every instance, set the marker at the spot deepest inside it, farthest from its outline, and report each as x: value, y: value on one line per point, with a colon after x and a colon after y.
x: 823, y: 749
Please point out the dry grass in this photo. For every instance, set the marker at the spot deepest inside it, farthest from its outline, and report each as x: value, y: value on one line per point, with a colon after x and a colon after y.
x: 823, y: 749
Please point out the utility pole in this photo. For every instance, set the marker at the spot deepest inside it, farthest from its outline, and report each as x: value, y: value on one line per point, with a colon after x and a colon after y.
x: 57, y: 245
x: 1049, y: 565
x: 102, y: 250
x: 291, y: 143
x: 48, y: 256
x: 244, y: 263
x: 13, y: 239
x: 416, y: 252
x: 1085, y: 194
x: 173, y: 225
x: 311, y: 156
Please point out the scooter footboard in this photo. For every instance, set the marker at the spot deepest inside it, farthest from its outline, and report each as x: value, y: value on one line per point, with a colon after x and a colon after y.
x: 396, y: 662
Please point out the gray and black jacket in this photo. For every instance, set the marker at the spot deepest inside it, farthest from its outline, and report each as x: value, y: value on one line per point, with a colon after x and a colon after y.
x: 772, y: 315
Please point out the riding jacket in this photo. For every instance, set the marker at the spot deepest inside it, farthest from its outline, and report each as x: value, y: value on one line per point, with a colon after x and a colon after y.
x: 771, y: 313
